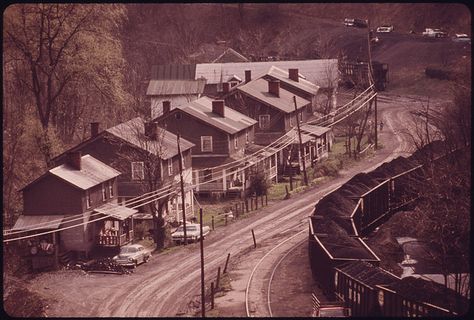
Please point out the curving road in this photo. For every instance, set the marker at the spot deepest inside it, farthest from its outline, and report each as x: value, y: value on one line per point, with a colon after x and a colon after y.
x: 169, y: 284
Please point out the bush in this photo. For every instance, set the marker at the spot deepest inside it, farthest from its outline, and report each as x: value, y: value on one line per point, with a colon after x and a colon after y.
x: 326, y: 169
x: 258, y: 184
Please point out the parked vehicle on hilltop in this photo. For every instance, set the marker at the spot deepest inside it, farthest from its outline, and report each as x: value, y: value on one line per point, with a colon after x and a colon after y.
x: 359, y: 23
x: 461, y: 37
x: 434, y: 33
x: 385, y: 28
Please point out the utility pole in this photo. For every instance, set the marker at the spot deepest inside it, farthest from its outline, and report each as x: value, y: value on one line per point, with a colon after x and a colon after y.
x: 182, y: 189
x: 203, y: 297
x: 301, y: 144
x: 376, y: 124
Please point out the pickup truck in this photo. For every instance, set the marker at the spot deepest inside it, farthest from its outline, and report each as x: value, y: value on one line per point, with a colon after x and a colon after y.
x: 192, y: 233
x: 434, y: 33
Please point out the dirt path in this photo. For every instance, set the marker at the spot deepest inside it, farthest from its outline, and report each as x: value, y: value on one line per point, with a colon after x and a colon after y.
x: 169, y: 281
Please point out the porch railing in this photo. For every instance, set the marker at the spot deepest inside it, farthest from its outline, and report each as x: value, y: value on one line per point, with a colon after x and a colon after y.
x: 115, y: 240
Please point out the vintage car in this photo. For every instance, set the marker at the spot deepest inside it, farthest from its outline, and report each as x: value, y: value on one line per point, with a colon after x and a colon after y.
x: 193, y: 233
x: 132, y: 255
x: 385, y: 29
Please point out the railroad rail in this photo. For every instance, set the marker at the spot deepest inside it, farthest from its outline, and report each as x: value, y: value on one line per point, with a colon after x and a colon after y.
x: 257, y: 293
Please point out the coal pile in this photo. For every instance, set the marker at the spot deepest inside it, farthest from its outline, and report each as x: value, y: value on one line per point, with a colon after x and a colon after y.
x: 105, y: 265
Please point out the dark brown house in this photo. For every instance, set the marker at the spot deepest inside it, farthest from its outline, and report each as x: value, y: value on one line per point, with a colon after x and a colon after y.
x: 78, y: 197
x: 146, y: 155
x: 220, y: 136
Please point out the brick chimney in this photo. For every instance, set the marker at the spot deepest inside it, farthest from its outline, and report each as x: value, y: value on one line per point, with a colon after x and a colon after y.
x: 94, y: 129
x: 274, y: 87
x: 218, y: 107
x: 248, y: 75
x: 225, y: 87
x: 166, y: 106
x: 151, y: 130
x: 74, y: 159
x: 293, y: 74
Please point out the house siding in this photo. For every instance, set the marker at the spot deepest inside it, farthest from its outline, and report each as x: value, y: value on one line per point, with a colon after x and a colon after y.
x: 37, y: 197
x: 194, y: 129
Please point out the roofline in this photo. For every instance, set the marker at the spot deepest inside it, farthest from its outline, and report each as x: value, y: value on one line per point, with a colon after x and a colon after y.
x: 270, y: 105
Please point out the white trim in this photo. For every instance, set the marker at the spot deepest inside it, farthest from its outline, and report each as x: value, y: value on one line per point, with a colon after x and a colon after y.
x: 170, y: 167
x: 137, y: 167
x: 261, y: 121
x: 209, y: 139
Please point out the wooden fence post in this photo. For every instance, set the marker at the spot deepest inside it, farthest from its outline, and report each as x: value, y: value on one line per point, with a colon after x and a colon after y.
x: 256, y: 202
x: 212, y: 222
x: 254, y: 241
x: 247, y: 205
x: 218, y: 277
x: 266, y: 199
x: 226, y: 262
x: 261, y: 198
x: 212, y: 295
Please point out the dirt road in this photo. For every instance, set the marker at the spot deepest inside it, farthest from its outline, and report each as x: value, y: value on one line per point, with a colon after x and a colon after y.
x: 170, y: 280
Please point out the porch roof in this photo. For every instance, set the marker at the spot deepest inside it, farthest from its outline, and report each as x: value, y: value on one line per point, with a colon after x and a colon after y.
x: 40, y: 222
x: 314, y: 130
x: 116, y: 211
x: 305, y: 138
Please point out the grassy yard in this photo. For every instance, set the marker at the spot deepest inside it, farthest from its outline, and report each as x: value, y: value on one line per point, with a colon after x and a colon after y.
x: 320, y: 173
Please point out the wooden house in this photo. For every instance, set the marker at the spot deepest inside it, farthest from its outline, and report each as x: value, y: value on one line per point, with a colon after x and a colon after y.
x: 220, y: 136
x: 78, y: 198
x: 148, y: 158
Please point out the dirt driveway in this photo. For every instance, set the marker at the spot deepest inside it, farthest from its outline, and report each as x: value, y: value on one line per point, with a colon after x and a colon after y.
x: 169, y: 283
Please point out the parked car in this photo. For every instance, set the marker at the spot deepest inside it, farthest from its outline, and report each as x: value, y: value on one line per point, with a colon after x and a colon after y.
x: 132, y: 255
x: 434, y: 33
x: 461, y: 37
x: 193, y: 233
x: 348, y: 22
x: 385, y: 29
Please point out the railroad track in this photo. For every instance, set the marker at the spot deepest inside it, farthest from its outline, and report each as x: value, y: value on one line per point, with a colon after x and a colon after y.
x: 258, y: 291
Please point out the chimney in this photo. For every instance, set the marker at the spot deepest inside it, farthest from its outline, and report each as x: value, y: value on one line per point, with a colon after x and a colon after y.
x: 274, y: 87
x: 166, y: 106
x: 94, y: 129
x: 151, y: 130
x: 74, y: 159
x: 293, y: 74
x: 225, y: 87
x: 218, y: 107
x: 248, y: 76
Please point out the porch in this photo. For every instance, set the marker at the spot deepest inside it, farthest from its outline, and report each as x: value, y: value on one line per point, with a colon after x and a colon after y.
x: 117, y: 228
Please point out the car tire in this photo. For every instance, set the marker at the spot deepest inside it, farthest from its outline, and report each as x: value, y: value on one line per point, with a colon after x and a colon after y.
x: 145, y: 259
x: 135, y: 264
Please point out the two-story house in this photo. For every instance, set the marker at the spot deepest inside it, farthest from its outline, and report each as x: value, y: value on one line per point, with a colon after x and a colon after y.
x: 78, y: 198
x: 220, y: 136
x: 148, y: 158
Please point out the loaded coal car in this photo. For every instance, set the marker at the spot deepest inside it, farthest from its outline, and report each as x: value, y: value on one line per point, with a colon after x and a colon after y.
x: 355, y: 283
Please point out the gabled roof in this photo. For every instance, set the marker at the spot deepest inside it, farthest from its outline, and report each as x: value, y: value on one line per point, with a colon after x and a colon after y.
x: 230, y: 55
x: 231, y: 123
x: 301, y: 84
x: 173, y: 72
x: 175, y: 87
x: 165, y: 146
x: 92, y: 173
x: 258, y: 89
x: 315, y: 71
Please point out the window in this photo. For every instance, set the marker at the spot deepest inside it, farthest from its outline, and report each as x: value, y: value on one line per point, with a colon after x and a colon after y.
x: 300, y: 115
x: 206, y: 143
x: 170, y: 167
x: 88, y: 199
x: 264, y: 121
x: 183, y: 163
x: 137, y: 171
x: 111, y: 188
x: 291, y: 121
x: 104, y: 192
x: 247, y: 136
x: 235, y: 142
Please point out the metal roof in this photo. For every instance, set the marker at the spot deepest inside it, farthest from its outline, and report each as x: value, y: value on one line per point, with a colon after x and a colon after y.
x: 92, y: 173
x: 314, y: 130
x: 175, y: 87
x: 133, y: 132
x: 323, y: 72
x: 46, y: 222
x: 169, y: 71
x: 258, y: 89
x: 301, y: 84
x: 294, y: 134
x: 232, y: 122
x: 116, y: 211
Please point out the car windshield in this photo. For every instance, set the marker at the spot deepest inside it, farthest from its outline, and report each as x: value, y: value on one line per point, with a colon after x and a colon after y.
x: 128, y: 250
x: 188, y: 228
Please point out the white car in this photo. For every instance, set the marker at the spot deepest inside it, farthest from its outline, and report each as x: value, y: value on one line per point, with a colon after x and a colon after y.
x: 461, y: 37
x: 385, y: 29
x: 132, y: 255
x: 434, y: 33
x: 193, y: 233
